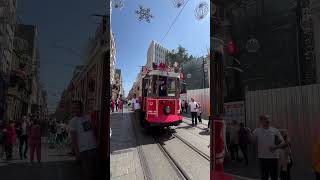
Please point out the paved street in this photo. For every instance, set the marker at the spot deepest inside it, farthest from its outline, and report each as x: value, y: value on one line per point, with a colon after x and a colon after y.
x: 135, y: 154
x: 56, y: 165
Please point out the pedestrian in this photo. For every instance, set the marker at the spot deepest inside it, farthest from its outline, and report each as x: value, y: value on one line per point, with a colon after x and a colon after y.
x: 137, y: 109
x: 35, y: 140
x: 244, y: 141
x: 316, y: 160
x: 186, y: 106
x: 23, y: 138
x: 112, y: 104
x: 199, y: 113
x: 117, y: 105
x: 121, y: 102
x: 183, y: 104
x: 193, y: 109
x: 286, y: 160
x: 60, y: 128
x: 234, y: 140
x: 53, y: 133
x: 83, y: 140
x: 269, y: 141
x: 10, y: 141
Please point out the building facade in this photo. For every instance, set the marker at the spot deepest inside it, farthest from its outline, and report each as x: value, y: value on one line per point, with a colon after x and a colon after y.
x: 24, y: 93
x: 7, y: 28
x: 113, y: 53
x: 156, y: 54
x: 315, y: 9
x: 117, y: 89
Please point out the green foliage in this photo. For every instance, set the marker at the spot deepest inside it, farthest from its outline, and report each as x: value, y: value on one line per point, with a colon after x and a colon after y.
x: 180, y: 55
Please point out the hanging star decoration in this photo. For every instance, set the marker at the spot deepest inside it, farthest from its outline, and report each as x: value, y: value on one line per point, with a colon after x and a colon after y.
x: 144, y: 14
x: 178, y: 3
x: 202, y: 10
x: 118, y: 4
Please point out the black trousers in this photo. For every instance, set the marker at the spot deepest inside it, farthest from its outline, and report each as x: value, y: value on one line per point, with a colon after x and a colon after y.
x: 269, y: 168
x: 286, y: 175
x: 23, y: 140
x: 194, y: 117
x: 244, y: 150
x: 234, y: 150
x: 199, y: 118
x: 317, y: 175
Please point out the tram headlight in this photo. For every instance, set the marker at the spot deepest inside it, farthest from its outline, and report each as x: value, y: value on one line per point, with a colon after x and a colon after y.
x: 167, y: 110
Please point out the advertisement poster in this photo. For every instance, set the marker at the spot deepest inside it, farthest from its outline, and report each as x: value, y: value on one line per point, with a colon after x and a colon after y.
x: 234, y: 111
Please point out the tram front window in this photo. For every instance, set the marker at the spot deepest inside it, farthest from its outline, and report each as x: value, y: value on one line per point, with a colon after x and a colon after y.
x: 172, y: 87
x: 162, y: 87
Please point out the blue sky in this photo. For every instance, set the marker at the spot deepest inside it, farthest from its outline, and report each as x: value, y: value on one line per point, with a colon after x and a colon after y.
x: 133, y: 37
x: 68, y: 23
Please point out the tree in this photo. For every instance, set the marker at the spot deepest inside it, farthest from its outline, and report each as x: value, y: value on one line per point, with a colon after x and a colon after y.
x: 180, y: 55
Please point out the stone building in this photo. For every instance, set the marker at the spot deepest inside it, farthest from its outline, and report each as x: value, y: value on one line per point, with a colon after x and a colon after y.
x: 117, y: 88
x: 7, y: 26
x: 24, y: 93
x: 156, y: 54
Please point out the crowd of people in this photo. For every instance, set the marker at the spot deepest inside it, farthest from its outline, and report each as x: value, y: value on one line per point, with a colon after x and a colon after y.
x: 19, y: 136
x: 116, y: 105
x: 273, y: 148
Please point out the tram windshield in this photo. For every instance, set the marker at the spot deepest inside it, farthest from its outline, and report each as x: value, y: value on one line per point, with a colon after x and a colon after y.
x: 165, y: 86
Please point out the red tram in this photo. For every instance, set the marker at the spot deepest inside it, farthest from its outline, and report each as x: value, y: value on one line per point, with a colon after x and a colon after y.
x: 160, y: 97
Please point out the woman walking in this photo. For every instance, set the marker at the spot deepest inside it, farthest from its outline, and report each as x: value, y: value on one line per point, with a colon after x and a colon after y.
x: 10, y: 139
x: 35, y: 141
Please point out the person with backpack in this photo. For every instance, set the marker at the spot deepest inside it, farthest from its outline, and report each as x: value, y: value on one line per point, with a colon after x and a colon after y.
x: 244, y: 141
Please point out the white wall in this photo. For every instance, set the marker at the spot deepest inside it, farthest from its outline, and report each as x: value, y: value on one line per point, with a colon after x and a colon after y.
x: 295, y: 109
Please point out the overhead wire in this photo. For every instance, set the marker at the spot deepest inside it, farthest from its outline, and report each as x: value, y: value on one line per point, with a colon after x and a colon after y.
x: 174, y: 21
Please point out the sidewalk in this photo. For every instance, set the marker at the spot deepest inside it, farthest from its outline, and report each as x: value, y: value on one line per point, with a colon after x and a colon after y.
x: 54, y: 166
x: 124, y: 158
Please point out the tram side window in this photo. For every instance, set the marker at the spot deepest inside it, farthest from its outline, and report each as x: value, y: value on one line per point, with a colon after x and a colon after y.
x: 172, y: 87
x: 145, y: 87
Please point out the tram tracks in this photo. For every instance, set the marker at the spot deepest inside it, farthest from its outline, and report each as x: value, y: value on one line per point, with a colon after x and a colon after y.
x: 175, y: 161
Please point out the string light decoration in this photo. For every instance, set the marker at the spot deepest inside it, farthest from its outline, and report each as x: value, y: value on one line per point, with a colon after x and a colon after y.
x: 144, y: 14
x: 178, y: 3
x: 202, y: 10
x: 118, y: 4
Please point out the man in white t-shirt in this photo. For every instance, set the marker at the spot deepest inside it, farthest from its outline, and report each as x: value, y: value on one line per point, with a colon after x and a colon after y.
x: 84, y: 140
x: 269, y: 140
x: 194, y: 110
